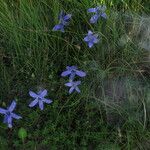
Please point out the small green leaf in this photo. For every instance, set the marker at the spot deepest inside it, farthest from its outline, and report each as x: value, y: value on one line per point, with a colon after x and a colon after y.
x: 22, y: 133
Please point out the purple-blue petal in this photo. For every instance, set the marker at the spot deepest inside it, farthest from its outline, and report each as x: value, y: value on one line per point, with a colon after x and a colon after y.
x: 41, y: 105
x: 48, y: 101
x: 32, y: 94
x: 73, y: 67
x: 65, y: 73
x: 58, y: 27
x: 12, y: 106
x: 43, y: 93
x: 68, y: 67
x: 90, y: 44
x: 67, y: 17
x: 33, y: 103
x: 77, y: 89
x: 95, y: 40
x: 62, y: 29
x: 77, y: 83
x: 80, y: 73
x: 15, y: 116
x: 71, y: 90
x: 94, y: 18
x: 90, y: 33
x: 86, y: 39
x: 92, y: 10
x: 2, y: 111
x: 104, y: 15
x: 69, y: 84
x: 9, y: 121
x: 60, y: 16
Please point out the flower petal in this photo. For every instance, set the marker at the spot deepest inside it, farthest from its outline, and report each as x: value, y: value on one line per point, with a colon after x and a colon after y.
x: 68, y: 67
x: 94, y: 18
x: 90, y: 32
x: 15, y: 116
x: 69, y: 84
x: 33, y: 103
x: 73, y: 67
x: 32, y: 94
x: 95, y: 40
x: 77, y: 83
x: 9, y: 121
x: 41, y: 105
x: 77, y: 89
x: 92, y: 10
x: 58, y: 27
x: 62, y: 29
x: 80, y: 73
x: 66, y: 17
x: 71, y: 90
x: 86, y: 39
x: 43, y: 93
x: 90, y: 44
x: 104, y: 15
x: 2, y: 111
x: 65, y: 73
x: 48, y: 101
x: 12, y: 106
x: 60, y: 16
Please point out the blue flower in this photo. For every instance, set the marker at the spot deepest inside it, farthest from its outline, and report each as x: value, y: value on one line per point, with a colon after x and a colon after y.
x: 99, y: 12
x: 39, y: 98
x: 9, y: 115
x: 73, y: 86
x: 72, y: 71
x: 91, y: 38
x: 63, y: 21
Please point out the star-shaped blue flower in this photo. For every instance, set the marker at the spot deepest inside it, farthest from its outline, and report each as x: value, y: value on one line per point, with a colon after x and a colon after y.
x: 39, y: 98
x: 99, y: 12
x: 73, y: 86
x: 63, y: 21
x: 91, y: 38
x: 71, y: 71
x: 9, y: 115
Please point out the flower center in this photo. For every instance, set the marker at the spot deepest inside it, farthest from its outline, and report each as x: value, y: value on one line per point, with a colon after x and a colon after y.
x: 40, y: 98
x: 91, y: 38
x: 73, y: 71
x: 8, y: 113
